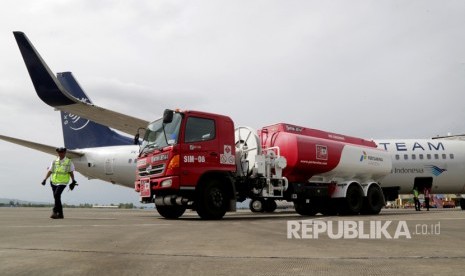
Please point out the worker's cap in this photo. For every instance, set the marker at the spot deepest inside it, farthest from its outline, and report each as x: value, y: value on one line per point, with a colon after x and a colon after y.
x: 61, y: 149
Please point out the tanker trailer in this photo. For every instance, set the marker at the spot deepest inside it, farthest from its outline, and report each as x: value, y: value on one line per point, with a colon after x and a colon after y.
x: 320, y: 172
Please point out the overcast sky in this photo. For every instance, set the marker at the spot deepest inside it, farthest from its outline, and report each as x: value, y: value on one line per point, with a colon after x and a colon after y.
x: 374, y: 69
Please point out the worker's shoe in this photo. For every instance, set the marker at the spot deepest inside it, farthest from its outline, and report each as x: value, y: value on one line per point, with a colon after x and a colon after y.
x: 60, y: 216
x: 54, y: 215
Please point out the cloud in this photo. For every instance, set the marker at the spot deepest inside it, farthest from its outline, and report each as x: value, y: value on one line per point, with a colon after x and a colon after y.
x: 375, y: 69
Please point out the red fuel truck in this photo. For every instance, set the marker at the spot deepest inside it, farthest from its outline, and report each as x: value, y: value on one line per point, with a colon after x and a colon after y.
x: 200, y: 161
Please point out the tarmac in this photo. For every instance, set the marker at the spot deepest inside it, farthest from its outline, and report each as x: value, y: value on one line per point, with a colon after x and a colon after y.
x: 140, y: 242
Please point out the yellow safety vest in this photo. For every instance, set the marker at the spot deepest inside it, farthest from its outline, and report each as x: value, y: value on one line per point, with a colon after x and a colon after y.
x: 60, y: 171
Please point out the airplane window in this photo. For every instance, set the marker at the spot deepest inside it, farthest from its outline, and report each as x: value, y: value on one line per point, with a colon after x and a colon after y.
x: 420, y: 156
x: 428, y: 156
x: 405, y: 156
x: 436, y: 156
x: 397, y: 157
x: 444, y: 156
x: 451, y: 156
x: 414, y: 157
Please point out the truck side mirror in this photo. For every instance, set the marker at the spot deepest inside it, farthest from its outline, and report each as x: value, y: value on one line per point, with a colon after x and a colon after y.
x: 168, y: 116
x: 136, y: 139
x: 137, y: 136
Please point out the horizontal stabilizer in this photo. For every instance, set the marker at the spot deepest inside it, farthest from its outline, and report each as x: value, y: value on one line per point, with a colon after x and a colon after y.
x: 460, y: 137
x: 40, y: 147
x: 50, y: 91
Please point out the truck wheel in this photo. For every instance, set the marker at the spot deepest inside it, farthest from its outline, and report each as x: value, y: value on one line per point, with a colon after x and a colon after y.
x: 256, y: 205
x: 462, y: 203
x: 304, y: 209
x: 353, y: 202
x: 171, y: 212
x: 329, y: 208
x: 374, y: 201
x: 270, y: 205
x: 212, y: 201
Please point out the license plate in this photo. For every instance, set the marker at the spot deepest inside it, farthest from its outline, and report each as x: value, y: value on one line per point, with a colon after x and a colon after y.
x: 145, y: 187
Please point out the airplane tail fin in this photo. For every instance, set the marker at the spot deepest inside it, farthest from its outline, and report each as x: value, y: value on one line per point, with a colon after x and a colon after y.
x: 52, y: 92
x: 82, y: 133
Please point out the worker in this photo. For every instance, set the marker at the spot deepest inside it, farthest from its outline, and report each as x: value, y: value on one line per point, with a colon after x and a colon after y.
x: 415, y: 198
x: 61, y: 170
x: 427, y: 192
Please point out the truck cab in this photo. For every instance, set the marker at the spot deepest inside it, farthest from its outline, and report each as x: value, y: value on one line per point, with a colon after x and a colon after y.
x: 185, y: 161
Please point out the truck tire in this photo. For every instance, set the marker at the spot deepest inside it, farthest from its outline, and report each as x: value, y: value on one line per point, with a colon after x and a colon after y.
x: 270, y: 205
x: 212, y: 200
x: 374, y: 201
x: 257, y: 205
x: 329, y: 208
x: 353, y: 202
x: 261, y: 205
x: 305, y: 209
x: 171, y: 212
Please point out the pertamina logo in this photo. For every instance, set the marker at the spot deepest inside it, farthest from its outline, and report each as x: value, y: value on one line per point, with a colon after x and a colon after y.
x: 365, y: 156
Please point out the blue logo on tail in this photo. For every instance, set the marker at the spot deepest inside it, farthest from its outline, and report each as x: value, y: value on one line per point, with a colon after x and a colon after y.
x: 81, y: 133
x: 75, y: 122
x: 435, y: 170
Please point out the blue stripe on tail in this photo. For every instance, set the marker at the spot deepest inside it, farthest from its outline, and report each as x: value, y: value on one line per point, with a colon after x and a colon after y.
x: 81, y: 133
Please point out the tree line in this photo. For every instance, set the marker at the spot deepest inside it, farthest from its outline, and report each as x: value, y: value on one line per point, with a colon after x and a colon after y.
x: 13, y: 203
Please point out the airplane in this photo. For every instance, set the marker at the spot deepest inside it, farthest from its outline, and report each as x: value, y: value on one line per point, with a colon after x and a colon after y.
x: 436, y: 163
x: 96, y: 151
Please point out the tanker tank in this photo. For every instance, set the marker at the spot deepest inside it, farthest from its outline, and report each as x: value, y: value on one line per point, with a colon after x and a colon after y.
x: 329, y: 156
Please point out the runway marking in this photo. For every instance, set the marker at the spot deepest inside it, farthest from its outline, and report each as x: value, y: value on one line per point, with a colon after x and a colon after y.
x: 241, y: 257
x: 82, y: 225
x: 382, y: 219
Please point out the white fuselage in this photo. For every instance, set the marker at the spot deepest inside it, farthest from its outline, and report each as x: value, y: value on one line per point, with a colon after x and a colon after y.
x: 441, y: 162
x: 115, y: 164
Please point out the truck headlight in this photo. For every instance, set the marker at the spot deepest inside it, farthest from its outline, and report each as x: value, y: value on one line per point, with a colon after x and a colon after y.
x: 166, y: 183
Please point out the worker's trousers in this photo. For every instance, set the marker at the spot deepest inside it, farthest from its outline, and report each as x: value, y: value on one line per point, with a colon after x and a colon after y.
x: 57, y: 190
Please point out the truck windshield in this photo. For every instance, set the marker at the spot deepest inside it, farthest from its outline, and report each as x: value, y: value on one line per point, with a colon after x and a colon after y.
x: 154, y: 137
